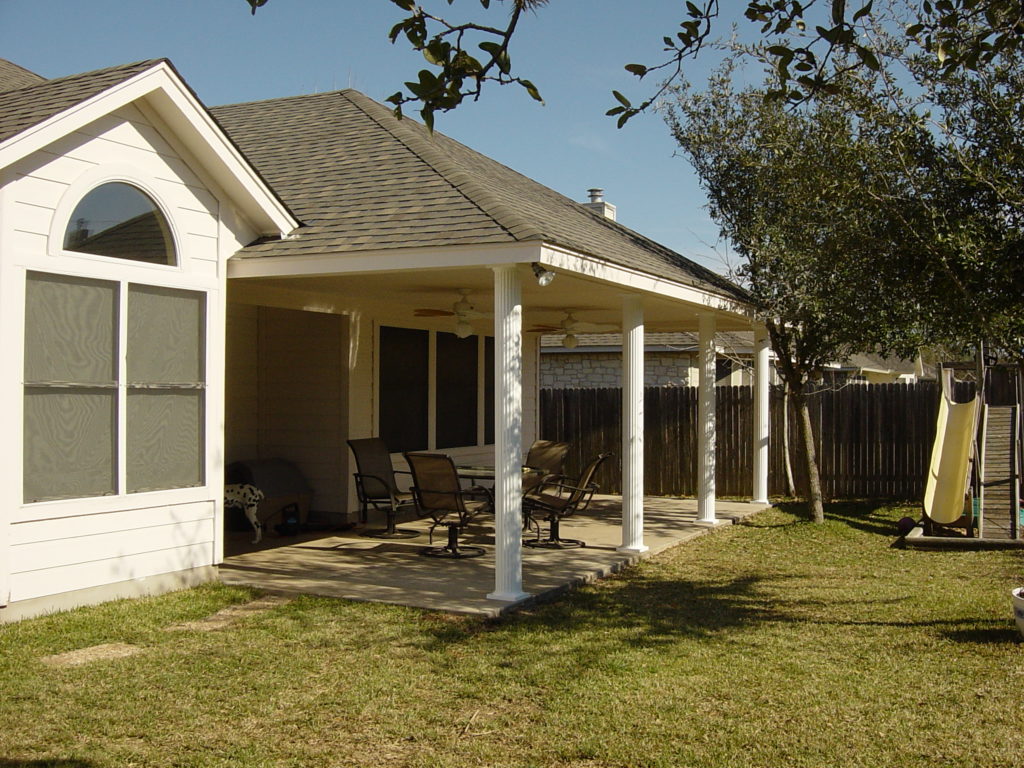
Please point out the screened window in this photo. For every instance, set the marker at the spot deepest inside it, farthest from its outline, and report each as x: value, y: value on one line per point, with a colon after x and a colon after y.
x: 77, y: 382
x: 123, y: 222
x: 456, y: 390
x: 406, y: 372
x: 70, y: 387
x: 166, y: 335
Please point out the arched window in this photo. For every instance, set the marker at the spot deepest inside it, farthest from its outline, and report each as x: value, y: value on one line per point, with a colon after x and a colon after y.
x: 121, y: 221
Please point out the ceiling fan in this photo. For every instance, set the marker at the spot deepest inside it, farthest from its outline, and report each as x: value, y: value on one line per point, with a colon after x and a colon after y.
x: 570, y: 326
x: 462, y: 310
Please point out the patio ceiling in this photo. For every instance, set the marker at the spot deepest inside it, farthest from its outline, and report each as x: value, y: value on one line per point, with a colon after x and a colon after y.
x: 590, y: 299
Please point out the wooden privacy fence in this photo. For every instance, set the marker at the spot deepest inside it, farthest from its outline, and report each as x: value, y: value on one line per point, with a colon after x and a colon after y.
x: 873, y: 440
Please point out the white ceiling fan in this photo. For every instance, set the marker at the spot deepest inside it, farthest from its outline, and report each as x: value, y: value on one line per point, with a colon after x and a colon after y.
x: 571, y: 326
x: 462, y: 310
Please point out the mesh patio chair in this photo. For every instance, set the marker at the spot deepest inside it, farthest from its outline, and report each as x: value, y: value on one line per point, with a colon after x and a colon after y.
x: 553, y: 501
x: 547, y: 460
x: 440, y: 495
x: 375, y: 487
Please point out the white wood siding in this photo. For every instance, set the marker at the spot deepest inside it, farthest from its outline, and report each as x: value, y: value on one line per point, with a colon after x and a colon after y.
x: 302, y: 414
x: 59, y: 547
x: 241, y: 408
x: 48, y: 557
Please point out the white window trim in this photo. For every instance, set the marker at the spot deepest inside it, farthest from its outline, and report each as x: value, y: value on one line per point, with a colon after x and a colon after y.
x: 93, y: 179
x: 122, y: 498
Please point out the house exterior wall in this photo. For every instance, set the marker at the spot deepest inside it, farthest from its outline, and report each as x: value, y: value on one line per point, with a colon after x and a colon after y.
x: 560, y: 370
x: 603, y: 369
x: 115, y: 543
x: 358, y: 358
x: 286, y: 395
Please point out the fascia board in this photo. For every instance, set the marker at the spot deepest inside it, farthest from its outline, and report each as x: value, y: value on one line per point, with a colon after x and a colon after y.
x: 194, y: 126
x: 392, y: 260
x: 641, y: 282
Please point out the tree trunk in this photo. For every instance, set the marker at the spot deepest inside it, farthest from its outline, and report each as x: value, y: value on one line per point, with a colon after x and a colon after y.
x: 790, y: 485
x: 803, y: 415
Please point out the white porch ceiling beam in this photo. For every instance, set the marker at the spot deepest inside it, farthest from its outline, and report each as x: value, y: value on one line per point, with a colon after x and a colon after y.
x: 641, y: 282
x: 761, y: 420
x: 508, y: 435
x: 390, y: 260
x: 632, y: 424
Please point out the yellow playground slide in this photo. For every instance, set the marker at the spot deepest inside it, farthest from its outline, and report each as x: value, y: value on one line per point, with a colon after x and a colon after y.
x: 949, y: 471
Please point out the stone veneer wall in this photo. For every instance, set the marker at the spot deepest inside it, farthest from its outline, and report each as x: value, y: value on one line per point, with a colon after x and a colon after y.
x: 604, y: 369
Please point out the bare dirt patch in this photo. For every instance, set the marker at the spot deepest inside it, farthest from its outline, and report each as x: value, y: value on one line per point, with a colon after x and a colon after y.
x: 228, y: 616
x: 92, y: 653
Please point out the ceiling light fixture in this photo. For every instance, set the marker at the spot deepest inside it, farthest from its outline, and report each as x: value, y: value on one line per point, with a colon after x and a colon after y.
x: 544, y: 276
x: 570, y: 341
x: 463, y: 330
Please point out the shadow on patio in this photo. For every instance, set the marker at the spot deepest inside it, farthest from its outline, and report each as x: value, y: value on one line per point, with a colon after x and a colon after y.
x: 348, y: 566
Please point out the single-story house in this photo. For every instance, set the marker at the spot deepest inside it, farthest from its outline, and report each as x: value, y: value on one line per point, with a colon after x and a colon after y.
x: 673, y: 360
x: 670, y: 360
x: 182, y: 288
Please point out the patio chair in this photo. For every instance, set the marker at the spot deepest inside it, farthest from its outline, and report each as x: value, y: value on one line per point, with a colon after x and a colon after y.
x: 375, y: 487
x: 547, y: 460
x: 555, y: 500
x: 440, y: 495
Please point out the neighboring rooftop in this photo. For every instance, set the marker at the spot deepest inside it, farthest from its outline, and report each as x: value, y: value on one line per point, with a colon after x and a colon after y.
x: 734, y: 343
x: 360, y: 179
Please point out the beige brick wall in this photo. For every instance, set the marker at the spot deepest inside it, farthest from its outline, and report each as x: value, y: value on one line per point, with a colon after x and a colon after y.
x: 604, y: 369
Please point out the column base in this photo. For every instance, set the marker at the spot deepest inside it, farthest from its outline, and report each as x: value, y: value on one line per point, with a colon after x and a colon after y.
x: 508, y: 597
x: 633, y: 550
x: 766, y: 502
x: 712, y: 523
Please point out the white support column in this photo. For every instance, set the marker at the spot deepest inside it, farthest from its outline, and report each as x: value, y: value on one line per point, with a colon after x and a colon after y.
x: 706, y: 423
x: 761, y: 419
x: 508, y: 435
x: 632, y: 425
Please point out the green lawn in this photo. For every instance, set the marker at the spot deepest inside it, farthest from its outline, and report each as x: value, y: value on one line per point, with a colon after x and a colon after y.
x: 776, y: 643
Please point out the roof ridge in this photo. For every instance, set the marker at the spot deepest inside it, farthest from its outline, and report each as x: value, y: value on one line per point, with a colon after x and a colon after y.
x: 94, y: 72
x: 518, y: 227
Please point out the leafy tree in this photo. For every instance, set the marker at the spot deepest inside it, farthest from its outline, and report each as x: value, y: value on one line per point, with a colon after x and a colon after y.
x: 976, y: 199
x: 806, y: 198
x: 801, y: 39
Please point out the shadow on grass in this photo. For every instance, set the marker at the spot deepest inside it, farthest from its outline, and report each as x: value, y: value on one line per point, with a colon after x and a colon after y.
x: 991, y: 636
x: 56, y: 762
x: 869, y: 516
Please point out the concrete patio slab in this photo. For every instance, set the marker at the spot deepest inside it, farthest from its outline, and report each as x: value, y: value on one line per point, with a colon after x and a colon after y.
x: 346, y: 565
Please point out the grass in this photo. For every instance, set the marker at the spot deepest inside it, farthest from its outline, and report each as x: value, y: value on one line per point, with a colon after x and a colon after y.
x: 775, y: 643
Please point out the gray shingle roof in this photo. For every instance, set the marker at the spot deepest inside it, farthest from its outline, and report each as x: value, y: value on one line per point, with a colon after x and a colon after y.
x: 22, y: 108
x: 13, y: 77
x: 360, y: 179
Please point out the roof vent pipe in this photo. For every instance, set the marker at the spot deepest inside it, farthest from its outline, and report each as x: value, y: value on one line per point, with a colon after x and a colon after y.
x: 598, y: 204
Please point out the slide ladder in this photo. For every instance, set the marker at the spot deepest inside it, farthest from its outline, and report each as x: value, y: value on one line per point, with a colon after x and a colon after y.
x: 999, y: 473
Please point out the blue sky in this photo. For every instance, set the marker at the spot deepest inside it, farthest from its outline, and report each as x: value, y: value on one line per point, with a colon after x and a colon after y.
x: 573, y: 50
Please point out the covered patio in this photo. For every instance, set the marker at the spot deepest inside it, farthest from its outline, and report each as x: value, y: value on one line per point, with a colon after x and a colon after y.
x: 419, y: 286
x: 345, y: 565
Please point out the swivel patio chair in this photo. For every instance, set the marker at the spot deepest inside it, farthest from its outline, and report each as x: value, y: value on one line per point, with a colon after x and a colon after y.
x: 544, y: 461
x: 375, y: 487
x: 440, y: 495
x: 555, y: 500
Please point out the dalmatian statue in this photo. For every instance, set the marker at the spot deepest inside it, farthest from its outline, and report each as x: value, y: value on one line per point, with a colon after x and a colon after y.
x: 248, y: 498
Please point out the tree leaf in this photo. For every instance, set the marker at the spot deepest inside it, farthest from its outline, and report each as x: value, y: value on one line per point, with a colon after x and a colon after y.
x: 532, y: 90
x: 622, y: 99
x: 838, y: 12
x: 637, y: 69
